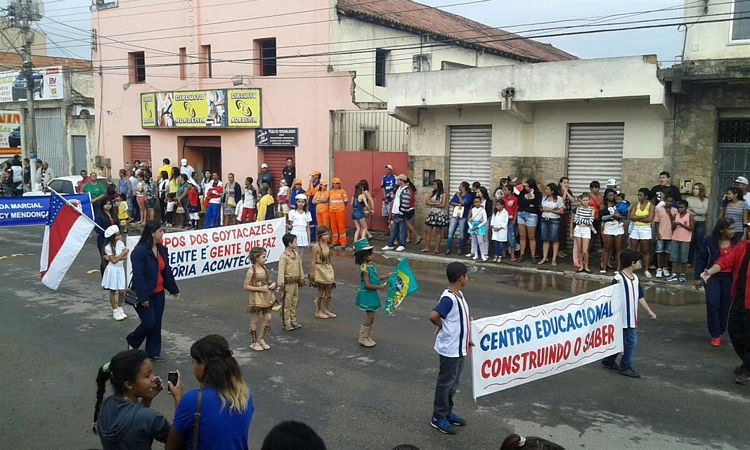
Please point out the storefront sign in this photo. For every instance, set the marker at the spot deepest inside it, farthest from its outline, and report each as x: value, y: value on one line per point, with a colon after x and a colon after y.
x: 11, y: 128
x: 233, y: 108
x: 204, y: 252
x: 277, y: 137
x: 148, y: 110
x: 48, y: 85
x: 531, y: 344
x: 33, y: 210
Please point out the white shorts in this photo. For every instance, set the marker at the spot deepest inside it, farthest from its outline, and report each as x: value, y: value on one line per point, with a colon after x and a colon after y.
x: 614, y: 228
x: 582, y: 231
x: 641, y: 232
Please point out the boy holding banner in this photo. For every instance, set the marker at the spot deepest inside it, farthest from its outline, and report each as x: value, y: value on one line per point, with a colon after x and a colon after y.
x: 451, y: 317
x: 631, y: 295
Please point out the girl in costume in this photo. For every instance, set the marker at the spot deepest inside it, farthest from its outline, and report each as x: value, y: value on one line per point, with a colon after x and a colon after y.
x: 321, y: 273
x: 258, y: 282
x: 369, y: 285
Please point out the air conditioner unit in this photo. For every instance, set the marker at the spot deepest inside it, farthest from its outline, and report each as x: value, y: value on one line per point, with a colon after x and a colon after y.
x: 108, y: 163
x: 83, y: 112
x: 99, y: 161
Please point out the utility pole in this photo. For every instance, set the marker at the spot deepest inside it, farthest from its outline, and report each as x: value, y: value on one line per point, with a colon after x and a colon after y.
x: 23, y: 13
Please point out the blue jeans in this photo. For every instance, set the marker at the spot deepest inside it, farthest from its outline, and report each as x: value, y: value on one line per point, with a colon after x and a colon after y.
x: 213, y: 213
x: 398, y: 228
x: 150, y: 327
x: 459, y: 224
x: 718, y: 300
x: 629, y: 342
x: 698, y: 234
x: 447, y: 385
x: 512, y: 234
x: 499, y: 248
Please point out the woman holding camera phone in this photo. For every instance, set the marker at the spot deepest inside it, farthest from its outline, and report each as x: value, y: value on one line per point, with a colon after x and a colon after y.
x: 125, y: 419
x: 223, y: 403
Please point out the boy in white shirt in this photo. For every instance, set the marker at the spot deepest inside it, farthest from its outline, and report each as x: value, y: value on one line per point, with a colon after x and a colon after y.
x: 499, y: 224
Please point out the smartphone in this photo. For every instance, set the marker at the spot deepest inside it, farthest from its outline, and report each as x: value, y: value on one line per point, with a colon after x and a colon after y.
x: 172, y: 377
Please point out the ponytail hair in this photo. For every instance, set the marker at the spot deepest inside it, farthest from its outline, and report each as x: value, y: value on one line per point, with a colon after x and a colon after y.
x: 123, y: 367
x: 221, y: 371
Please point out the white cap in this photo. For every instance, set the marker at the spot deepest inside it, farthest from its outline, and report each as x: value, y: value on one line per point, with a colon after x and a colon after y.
x: 389, y: 167
x: 183, y: 161
x: 741, y: 180
x: 264, y: 166
x: 300, y: 197
x: 111, y: 231
x: 611, y: 182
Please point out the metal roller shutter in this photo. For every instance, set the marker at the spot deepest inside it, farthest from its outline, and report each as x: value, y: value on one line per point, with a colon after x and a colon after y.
x: 51, y: 142
x: 594, y: 153
x: 276, y: 160
x: 470, y: 150
x: 140, y: 148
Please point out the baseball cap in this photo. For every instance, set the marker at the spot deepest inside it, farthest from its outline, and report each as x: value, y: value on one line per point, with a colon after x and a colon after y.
x: 611, y: 182
x: 389, y: 167
x: 741, y: 180
x: 264, y: 166
x: 300, y: 197
x: 314, y: 173
x: 183, y: 161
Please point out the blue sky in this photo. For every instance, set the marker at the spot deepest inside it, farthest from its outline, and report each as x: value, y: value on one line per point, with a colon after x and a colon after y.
x: 507, y: 14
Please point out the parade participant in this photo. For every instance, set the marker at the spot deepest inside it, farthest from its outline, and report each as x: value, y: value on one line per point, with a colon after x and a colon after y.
x: 478, y: 231
x: 230, y: 199
x: 642, y: 214
x: 738, y: 262
x: 265, y: 177
x: 682, y: 234
x: 460, y: 206
x: 321, y: 203
x: 289, y: 172
x: 212, y: 199
x: 223, y: 405
x: 260, y: 286
x: 299, y: 223
x: 249, y: 200
x: 337, y: 200
x: 452, y: 341
x: 388, y: 184
x: 125, y: 419
x: 282, y: 199
x: 295, y: 191
x: 631, y: 295
x: 291, y: 278
x: 322, y: 275
x: 113, y: 279
x: 312, y: 187
x: 186, y: 169
x: 718, y: 289
x: 584, y: 228
x: 499, y: 224
x: 369, y: 285
x: 265, y: 204
x: 437, y: 218
x: 152, y: 274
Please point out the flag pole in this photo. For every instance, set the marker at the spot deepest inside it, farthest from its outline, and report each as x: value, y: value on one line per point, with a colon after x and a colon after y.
x: 79, y: 212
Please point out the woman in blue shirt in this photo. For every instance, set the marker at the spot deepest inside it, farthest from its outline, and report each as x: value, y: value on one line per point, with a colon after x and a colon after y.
x: 460, y: 206
x: 226, y: 405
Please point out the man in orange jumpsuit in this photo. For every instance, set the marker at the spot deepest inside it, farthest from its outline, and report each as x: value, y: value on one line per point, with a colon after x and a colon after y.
x: 337, y: 211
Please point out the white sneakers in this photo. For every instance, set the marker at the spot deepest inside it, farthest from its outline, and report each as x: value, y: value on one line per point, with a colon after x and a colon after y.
x: 400, y: 248
x: 118, y: 314
x: 388, y: 247
x: 659, y: 273
x: 666, y: 272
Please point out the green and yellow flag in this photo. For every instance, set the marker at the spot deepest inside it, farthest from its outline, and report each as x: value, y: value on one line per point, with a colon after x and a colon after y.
x: 401, y: 284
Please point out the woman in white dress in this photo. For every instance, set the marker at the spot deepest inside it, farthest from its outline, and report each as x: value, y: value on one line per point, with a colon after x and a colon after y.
x: 299, y: 222
x: 114, y: 274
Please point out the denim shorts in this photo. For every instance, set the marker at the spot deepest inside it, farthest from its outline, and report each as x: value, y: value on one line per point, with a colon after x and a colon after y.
x: 662, y: 246
x: 678, y: 251
x: 528, y: 219
x: 550, y: 230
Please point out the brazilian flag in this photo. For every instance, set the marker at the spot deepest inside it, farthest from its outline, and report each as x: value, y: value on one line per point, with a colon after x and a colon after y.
x: 401, y: 284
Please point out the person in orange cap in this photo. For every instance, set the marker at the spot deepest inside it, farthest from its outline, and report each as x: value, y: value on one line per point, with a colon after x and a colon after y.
x: 296, y: 190
x: 313, y: 186
x: 320, y: 202
x: 337, y: 200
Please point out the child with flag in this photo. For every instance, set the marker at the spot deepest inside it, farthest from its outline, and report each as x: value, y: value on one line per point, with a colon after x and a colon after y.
x: 370, y: 283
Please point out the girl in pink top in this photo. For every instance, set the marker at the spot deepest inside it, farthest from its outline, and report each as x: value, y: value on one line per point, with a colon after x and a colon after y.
x: 682, y: 235
x: 663, y: 214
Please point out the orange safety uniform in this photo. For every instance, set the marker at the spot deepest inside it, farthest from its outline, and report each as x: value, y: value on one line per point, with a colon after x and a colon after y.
x: 337, y: 211
x: 321, y: 207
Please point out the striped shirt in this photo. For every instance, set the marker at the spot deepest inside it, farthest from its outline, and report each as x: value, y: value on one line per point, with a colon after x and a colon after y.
x: 453, y: 338
x: 630, y: 292
x: 584, y: 216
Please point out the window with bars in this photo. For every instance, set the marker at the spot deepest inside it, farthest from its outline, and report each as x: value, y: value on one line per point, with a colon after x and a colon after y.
x: 734, y: 131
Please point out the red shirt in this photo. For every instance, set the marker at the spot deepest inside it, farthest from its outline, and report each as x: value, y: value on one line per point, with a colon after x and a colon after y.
x: 511, y: 205
x: 159, y: 277
x: 732, y: 261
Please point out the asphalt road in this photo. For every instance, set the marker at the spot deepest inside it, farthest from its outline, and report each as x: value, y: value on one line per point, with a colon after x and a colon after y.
x: 51, y: 344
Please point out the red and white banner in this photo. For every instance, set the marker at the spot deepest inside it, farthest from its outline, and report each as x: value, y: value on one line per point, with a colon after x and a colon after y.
x: 535, y: 343
x: 198, y: 253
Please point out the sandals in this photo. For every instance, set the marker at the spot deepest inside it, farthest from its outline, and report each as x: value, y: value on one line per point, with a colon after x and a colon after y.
x: 542, y: 262
x: 425, y: 250
x: 321, y: 315
x: 256, y: 346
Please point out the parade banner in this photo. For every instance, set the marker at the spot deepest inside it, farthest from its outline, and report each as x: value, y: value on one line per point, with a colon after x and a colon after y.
x: 48, y: 84
x: 401, y: 284
x: 197, y: 253
x: 33, y: 210
x: 11, y: 128
x: 243, y: 108
x: 535, y: 343
x: 148, y: 110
